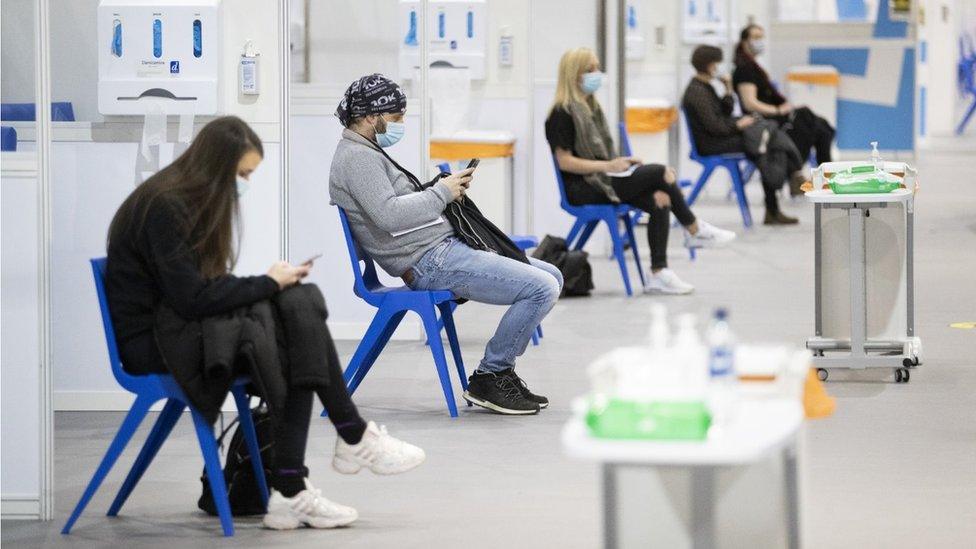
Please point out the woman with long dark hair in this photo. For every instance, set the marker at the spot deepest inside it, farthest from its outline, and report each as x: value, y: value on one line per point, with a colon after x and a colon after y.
x: 758, y: 95
x: 171, y: 249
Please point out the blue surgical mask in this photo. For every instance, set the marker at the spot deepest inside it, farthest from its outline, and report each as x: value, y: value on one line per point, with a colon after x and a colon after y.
x: 242, y: 186
x: 592, y: 82
x: 394, y: 132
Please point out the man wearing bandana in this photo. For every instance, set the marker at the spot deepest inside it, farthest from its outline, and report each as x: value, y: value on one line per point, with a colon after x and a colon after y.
x: 399, y: 221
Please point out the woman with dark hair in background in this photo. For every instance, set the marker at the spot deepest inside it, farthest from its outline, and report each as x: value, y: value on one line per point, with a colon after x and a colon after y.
x: 170, y: 254
x: 715, y: 131
x: 758, y: 95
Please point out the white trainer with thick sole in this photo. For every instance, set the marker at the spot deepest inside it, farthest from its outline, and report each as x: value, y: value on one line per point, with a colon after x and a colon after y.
x: 666, y: 281
x: 378, y: 451
x: 306, y: 508
x: 708, y: 236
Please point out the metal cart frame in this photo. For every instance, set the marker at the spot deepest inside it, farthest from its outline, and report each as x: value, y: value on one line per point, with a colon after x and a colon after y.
x: 860, y: 352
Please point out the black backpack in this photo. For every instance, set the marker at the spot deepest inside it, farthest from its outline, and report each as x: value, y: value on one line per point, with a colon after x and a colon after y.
x: 242, y: 487
x: 573, y: 264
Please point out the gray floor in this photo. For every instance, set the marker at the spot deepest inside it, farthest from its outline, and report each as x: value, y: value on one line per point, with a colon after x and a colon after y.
x: 894, y: 467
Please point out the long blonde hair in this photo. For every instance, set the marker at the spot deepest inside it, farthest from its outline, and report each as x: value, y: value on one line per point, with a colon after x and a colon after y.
x: 572, y: 65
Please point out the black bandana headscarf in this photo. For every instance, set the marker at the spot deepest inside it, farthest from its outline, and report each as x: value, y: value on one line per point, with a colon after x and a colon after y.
x: 373, y: 94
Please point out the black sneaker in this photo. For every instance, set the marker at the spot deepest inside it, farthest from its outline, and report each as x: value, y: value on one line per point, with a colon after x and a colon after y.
x: 542, y: 401
x: 499, y: 393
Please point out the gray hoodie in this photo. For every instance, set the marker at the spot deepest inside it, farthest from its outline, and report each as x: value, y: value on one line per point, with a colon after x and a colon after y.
x: 380, y: 200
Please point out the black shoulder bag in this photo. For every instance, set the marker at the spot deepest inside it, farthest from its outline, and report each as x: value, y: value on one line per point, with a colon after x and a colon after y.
x: 470, y: 225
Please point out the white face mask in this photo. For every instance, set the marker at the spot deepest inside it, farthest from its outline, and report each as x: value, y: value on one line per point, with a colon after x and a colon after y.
x: 757, y: 46
x: 242, y: 186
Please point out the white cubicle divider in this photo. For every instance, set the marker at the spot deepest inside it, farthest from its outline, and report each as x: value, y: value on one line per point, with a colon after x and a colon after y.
x: 20, y: 343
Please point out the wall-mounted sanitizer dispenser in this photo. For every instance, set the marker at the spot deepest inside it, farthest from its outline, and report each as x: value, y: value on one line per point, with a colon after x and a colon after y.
x: 158, y: 53
x: 457, y: 31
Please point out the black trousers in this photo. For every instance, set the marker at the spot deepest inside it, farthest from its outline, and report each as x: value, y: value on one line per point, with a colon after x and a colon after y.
x: 781, y: 160
x: 809, y: 131
x: 291, y: 429
x: 638, y: 190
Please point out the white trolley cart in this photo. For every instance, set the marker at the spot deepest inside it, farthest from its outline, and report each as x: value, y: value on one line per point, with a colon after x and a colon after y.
x: 864, y: 300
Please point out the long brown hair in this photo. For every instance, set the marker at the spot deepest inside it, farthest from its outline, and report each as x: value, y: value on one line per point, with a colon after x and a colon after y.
x: 201, y: 184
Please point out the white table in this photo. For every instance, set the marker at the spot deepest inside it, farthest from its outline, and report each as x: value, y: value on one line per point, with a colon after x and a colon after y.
x: 870, y: 322
x: 761, y: 428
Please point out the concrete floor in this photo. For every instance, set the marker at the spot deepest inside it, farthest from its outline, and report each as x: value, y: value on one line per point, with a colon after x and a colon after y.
x: 894, y: 467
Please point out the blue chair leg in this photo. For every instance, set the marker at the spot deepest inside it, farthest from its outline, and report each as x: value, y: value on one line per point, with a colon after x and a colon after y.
x: 447, y: 317
x: 440, y: 321
x: 618, y: 252
x: 629, y: 225
x: 377, y: 336
x: 129, y: 425
x: 538, y: 331
x: 740, y: 193
x: 215, y: 475
x: 437, y: 350
x: 574, y: 232
x: 965, y: 119
x: 164, y: 426
x: 700, y: 184
x: 251, y: 438
x: 587, y: 232
x: 535, y: 337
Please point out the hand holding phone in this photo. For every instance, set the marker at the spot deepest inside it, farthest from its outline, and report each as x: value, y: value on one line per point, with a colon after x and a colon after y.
x: 473, y: 164
x: 311, y: 260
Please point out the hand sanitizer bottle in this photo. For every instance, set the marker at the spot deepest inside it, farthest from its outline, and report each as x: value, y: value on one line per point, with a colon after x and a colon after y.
x: 876, y: 157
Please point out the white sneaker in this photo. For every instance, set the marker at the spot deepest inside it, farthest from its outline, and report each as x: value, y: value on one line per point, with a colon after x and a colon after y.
x: 708, y: 236
x: 666, y: 282
x: 308, y: 507
x: 377, y: 451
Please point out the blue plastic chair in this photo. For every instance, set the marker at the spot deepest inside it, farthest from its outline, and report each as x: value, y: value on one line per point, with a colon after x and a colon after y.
x: 149, y: 389
x: 524, y: 242
x: 732, y: 163
x: 588, y: 216
x: 61, y: 111
x: 393, y: 304
x: 8, y: 138
x: 967, y: 79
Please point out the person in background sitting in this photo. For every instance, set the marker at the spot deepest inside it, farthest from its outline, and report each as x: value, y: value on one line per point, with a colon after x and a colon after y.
x: 579, y: 137
x: 758, y: 95
x: 715, y: 131
x: 401, y: 223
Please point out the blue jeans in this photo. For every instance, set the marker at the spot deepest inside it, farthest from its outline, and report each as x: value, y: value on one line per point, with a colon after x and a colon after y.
x: 531, y: 290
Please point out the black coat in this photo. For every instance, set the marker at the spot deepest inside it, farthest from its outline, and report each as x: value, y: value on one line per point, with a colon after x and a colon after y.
x: 281, y: 343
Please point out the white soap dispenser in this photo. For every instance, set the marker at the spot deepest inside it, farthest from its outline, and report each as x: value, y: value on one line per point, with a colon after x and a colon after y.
x: 247, y: 73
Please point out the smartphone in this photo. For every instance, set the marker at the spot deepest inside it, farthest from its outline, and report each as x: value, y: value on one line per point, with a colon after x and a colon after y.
x: 473, y: 164
x: 311, y: 259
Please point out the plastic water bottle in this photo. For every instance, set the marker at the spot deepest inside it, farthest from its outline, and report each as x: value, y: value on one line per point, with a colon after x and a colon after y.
x: 721, y: 366
x: 721, y: 343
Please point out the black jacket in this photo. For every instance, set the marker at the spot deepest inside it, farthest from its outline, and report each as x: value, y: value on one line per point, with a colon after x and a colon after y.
x: 280, y: 343
x: 710, y: 119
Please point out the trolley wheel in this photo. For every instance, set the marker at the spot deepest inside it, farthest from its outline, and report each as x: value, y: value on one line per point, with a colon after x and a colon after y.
x: 822, y: 374
x: 910, y: 362
x: 902, y: 375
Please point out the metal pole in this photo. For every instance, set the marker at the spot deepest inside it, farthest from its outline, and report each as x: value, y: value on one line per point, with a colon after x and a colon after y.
x: 306, y: 51
x: 284, y: 53
x: 42, y: 94
x: 621, y: 61
x: 601, y: 32
x: 424, y: 92
x: 610, y: 540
